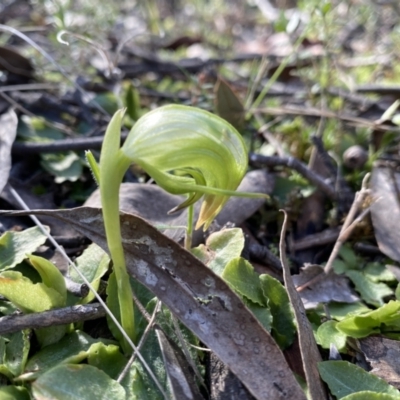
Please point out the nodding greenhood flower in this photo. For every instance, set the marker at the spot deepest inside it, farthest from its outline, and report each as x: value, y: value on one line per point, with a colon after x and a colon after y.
x: 189, y: 151
x: 186, y: 151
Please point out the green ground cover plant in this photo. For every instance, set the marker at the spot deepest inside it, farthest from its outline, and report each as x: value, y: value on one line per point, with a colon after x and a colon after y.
x: 294, y: 109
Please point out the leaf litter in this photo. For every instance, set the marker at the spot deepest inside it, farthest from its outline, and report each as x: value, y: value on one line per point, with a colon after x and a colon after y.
x: 294, y: 109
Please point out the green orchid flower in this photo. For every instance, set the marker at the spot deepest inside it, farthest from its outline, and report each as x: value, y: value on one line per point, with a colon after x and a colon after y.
x: 186, y: 151
x: 189, y: 151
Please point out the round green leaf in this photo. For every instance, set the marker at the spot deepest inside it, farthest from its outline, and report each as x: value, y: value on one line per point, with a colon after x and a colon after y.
x: 14, y: 393
x: 83, y: 382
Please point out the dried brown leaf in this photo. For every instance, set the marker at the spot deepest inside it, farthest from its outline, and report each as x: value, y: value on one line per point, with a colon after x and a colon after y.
x: 308, y: 347
x: 331, y: 287
x: 385, y: 211
x: 228, y: 104
x: 383, y: 355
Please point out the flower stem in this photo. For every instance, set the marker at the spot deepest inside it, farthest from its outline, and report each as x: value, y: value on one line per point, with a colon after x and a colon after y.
x: 113, y: 165
x: 110, y: 204
x: 189, y: 228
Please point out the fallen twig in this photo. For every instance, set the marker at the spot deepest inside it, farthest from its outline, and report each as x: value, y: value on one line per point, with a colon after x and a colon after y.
x: 347, y: 228
x: 298, y: 166
x: 76, y: 144
x: 60, y: 316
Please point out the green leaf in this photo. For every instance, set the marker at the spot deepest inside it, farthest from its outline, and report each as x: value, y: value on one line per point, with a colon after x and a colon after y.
x: 240, y: 276
x: 7, y: 308
x: 64, y: 167
x: 371, y: 292
x: 15, y: 246
x: 359, y: 326
x: 71, y: 381
x: 28, y: 296
x: 277, y: 299
x: 143, y: 386
x: 339, y: 311
x: 349, y: 256
x: 50, y: 274
x: 263, y: 314
x: 51, y: 334
x: 14, y: 393
x: 113, y: 304
x: 377, y: 272
x: 132, y: 102
x: 93, y: 263
x: 16, y: 351
x: 71, y: 348
x: 108, y: 101
x: 56, y: 295
x: 107, y: 358
x: 328, y: 334
x: 220, y: 248
x: 368, y: 395
x: 344, y: 378
x: 139, y: 389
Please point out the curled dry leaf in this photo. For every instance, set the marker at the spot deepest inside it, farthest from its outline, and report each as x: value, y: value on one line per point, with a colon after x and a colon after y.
x: 383, y: 354
x: 199, y: 298
x: 153, y: 203
x: 385, y: 211
x: 331, y: 287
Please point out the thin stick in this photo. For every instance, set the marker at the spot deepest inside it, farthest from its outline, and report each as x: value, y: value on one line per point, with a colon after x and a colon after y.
x: 60, y: 316
x: 142, y: 340
x: 347, y: 228
x: 348, y: 225
x: 298, y: 166
x: 77, y: 143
